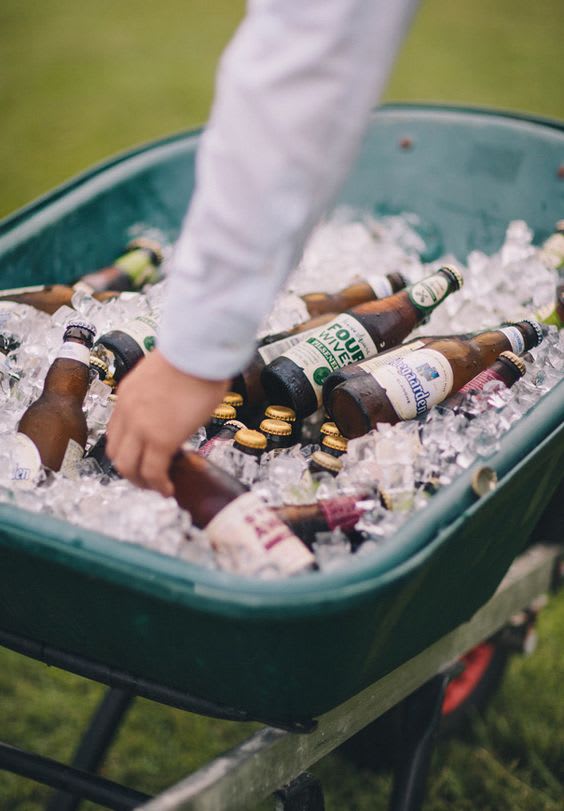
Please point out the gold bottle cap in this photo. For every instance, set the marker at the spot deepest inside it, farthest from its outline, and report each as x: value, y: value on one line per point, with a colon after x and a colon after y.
x: 233, y: 398
x: 250, y: 439
x: 329, y: 429
x: 276, y: 427
x: 484, y: 480
x: 224, y: 412
x: 326, y: 461
x: 515, y: 360
x: 458, y: 277
x: 99, y: 365
x: 279, y: 412
x: 336, y: 443
x: 148, y: 245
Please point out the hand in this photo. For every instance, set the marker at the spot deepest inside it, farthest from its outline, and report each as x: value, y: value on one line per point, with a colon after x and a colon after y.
x: 157, y: 409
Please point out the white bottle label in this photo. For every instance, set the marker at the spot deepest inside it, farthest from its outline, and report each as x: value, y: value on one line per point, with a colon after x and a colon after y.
x: 247, y: 536
x: 15, y: 291
x: 515, y: 338
x: 26, y: 462
x: 429, y: 292
x: 372, y: 364
x: 75, y: 351
x: 143, y: 330
x: 271, y: 351
x: 72, y: 457
x: 416, y: 382
x: 382, y: 287
x: 340, y: 342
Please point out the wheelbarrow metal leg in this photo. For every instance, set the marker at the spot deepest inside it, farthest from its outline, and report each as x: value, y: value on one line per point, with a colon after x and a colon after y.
x: 418, y: 719
x: 95, y: 742
x: 302, y: 794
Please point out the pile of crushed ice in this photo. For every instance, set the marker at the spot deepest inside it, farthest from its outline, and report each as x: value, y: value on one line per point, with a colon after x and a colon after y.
x: 408, y: 461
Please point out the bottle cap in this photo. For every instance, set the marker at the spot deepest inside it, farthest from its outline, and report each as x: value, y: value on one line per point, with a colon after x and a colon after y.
x: 233, y: 398
x: 224, y: 412
x: 81, y: 323
x: 148, y: 245
x: 279, y: 412
x: 484, y: 480
x: 537, y: 328
x: 101, y: 368
x: 336, y: 443
x: 329, y: 429
x: 276, y: 427
x: 325, y: 460
x: 515, y: 360
x: 455, y: 274
x: 250, y: 439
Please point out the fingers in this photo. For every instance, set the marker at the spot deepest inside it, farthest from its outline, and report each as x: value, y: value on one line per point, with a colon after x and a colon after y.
x: 154, y: 470
x: 126, y: 457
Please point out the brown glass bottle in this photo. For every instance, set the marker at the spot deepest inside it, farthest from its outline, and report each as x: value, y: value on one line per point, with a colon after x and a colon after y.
x: 340, y: 512
x: 55, y: 424
x: 121, y: 349
x: 139, y: 265
x: 407, y: 387
x: 370, y: 288
x: 507, y: 369
x: 47, y: 297
x: 296, y: 378
x: 278, y: 434
x: 220, y: 415
x: 245, y: 533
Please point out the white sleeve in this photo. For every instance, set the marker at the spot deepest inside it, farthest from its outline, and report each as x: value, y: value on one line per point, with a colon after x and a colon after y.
x: 293, y: 96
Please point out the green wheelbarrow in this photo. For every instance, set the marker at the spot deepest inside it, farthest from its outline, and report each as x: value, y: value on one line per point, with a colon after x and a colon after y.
x: 288, y: 652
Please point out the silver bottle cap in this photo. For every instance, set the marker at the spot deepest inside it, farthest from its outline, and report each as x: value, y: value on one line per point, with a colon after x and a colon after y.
x: 537, y: 328
x: 81, y: 323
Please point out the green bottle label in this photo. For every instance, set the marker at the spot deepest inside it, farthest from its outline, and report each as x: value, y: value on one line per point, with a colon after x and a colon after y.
x: 139, y: 267
x: 426, y: 294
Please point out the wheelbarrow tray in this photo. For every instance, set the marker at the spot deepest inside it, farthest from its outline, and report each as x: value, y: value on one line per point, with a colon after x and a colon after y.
x: 290, y: 650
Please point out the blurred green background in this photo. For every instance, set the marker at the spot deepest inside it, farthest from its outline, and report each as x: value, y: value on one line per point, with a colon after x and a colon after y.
x: 81, y: 81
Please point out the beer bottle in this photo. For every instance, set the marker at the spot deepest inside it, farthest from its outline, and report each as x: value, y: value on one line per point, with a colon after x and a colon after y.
x: 552, y: 250
x: 278, y: 412
x: 408, y: 386
x: 370, y: 288
x: 306, y: 520
x: 323, y: 462
x: 253, y: 443
x: 244, y: 532
x: 139, y: 265
x: 233, y: 398
x: 278, y: 434
x: 220, y: 415
x: 248, y: 382
x: 120, y: 349
x: 48, y: 297
x: 335, y: 445
x: 553, y: 314
x: 225, y: 434
x: 508, y: 369
x: 53, y: 430
x: 98, y: 453
x: 296, y: 377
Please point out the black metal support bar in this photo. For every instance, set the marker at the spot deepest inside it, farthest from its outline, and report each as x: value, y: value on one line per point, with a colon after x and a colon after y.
x: 138, y: 686
x: 95, y: 742
x: 302, y: 794
x: 89, y: 786
x: 419, y: 716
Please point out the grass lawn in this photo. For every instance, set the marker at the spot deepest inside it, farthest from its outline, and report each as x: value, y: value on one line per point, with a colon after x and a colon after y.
x: 80, y: 81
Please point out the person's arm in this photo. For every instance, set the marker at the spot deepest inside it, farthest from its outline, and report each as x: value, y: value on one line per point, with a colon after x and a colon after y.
x: 294, y: 93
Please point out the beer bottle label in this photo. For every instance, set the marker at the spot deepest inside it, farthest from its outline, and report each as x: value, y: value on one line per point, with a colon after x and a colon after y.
x: 143, y: 330
x: 138, y: 267
x: 416, y: 382
x: 372, y: 364
x: 515, y: 338
x: 269, y: 352
x: 381, y: 286
x: 477, y: 383
x: 429, y: 292
x: 340, y: 342
x: 247, y: 536
x: 72, y: 350
x: 26, y: 462
x: 340, y: 512
x: 72, y: 457
x: 16, y: 291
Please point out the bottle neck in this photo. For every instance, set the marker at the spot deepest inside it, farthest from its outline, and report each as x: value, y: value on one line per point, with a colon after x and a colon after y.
x: 201, y: 487
x: 69, y: 374
x: 428, y: 293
